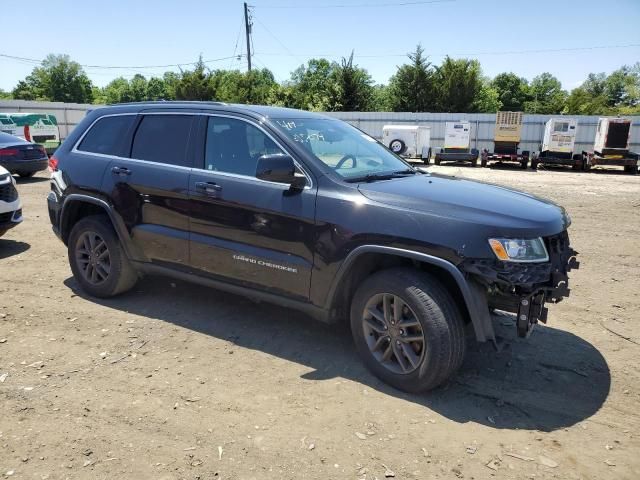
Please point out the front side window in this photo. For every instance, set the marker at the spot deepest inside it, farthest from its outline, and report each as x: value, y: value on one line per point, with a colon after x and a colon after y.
x: 234, y: 146
x: 351, y: 153
x: 163, y: 139
x: 105, y: 136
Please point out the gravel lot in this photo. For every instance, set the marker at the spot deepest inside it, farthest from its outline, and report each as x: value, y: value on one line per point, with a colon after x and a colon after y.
x: 174, y: 380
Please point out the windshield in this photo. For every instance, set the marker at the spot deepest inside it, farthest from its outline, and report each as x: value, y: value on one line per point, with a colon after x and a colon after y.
x: 351, y: 153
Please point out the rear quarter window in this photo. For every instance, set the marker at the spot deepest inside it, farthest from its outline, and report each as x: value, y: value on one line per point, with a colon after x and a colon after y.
x: 106, y: 135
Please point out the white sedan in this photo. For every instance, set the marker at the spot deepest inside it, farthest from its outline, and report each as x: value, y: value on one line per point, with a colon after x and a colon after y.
x: 10, y: 205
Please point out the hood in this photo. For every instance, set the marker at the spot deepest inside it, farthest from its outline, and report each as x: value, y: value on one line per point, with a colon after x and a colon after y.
x: 502, y: 210
x: 3, y: 170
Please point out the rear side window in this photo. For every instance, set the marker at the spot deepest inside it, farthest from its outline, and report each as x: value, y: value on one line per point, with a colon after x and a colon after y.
x: 163, y: 139
x: 105, y: 136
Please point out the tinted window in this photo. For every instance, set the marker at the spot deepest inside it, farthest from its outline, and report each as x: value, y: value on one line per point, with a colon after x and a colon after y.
x: 234, y: 146
x: 106, y: 135
x: 163, y: 139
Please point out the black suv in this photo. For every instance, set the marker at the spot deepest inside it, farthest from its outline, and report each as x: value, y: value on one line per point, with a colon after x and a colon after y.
x: 311, y: 213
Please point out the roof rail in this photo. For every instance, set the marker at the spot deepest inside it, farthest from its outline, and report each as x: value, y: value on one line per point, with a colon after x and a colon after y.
x: 165, y: 102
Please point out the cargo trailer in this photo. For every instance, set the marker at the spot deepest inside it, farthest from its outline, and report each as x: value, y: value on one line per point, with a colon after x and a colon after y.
x: 410, y: 141
x: 558, y: 144
x: 457, y: 143
x: 611, y: 146
x: 506, y: 141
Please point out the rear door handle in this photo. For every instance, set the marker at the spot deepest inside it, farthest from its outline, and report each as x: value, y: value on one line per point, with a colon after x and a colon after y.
x: 120, y: 171
x: 208, y: 188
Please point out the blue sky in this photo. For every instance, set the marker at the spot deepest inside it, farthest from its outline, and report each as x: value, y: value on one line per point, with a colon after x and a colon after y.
x: 159, y: 32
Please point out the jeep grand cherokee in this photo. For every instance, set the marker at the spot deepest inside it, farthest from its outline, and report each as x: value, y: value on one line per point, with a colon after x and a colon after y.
x: 311, y: 213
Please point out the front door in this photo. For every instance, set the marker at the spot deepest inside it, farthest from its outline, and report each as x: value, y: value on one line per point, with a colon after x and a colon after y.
x: 149, y: 189
x: 245, y: 230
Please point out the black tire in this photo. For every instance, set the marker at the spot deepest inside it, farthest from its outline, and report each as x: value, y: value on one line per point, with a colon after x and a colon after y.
x: 437, y: 160
x: 397, y: 146
x: 474, y: 162
x: 534, y: 165
x: 483, y: 162
x: 121, y: 275
x: 26, y: 174
x: 440, y: 324
x: 524, y: 163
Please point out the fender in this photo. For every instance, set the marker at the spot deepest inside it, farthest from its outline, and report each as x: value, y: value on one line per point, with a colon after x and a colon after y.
x: 472, y: 293
x: 116, y: 221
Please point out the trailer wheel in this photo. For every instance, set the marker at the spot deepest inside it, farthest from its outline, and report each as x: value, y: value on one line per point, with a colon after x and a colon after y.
x: 632, y: 169
x: 397, y: 146
x: 427, y: 159
x: 534, y: 165
x: 483, y: 162
x: 474, y: 162
x: 436, y: 160
x: 524, y: 163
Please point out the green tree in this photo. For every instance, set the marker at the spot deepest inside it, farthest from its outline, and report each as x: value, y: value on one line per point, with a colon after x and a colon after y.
x: 488, y: 99
x: 58, y: 79
x: 194, y: 84
x: 513, y: 91
x: 458, y: 84
x: 314, y: 86
x: 582, y: 101
x: 156, y: 89
x: 354, y: 87
x: 547, y: 95
x: 5, y: 95
x: 117, y: 91
x: 412, y: 88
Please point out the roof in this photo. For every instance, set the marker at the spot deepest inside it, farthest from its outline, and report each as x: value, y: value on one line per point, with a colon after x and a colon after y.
x: 261, y: 110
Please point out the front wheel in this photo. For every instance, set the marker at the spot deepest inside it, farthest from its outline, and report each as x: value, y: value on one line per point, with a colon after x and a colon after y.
x: 97, y: 259
x: 407, y: 329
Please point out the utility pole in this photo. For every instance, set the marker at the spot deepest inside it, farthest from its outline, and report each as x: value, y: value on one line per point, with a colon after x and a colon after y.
x: 247, y: 29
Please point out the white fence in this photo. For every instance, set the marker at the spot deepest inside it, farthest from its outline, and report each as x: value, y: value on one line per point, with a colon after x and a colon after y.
x: 482, y: 124
x: 482, y: 127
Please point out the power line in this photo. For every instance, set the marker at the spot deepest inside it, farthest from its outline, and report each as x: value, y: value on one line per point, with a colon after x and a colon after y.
x: 355, y: 5
x: 123, y: 67
x: 506, y: 52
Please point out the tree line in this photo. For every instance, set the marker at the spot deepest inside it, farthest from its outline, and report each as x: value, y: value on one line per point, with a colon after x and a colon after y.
x: 456, y: 85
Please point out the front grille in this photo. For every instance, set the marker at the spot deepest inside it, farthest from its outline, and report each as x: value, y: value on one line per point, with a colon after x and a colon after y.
x: 8, y: 193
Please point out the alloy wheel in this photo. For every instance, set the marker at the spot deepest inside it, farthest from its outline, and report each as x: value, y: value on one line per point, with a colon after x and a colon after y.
x: 393, y: 333
x: 93, y: 257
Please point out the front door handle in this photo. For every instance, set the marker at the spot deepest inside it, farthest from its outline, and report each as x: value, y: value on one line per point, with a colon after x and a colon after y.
x: 120, y: 171
x: 209, y: 188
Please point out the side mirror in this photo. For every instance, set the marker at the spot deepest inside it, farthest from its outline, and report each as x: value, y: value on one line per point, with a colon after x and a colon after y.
x: 279, y: 168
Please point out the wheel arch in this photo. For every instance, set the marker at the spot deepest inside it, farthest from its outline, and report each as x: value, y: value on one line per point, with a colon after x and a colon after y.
x: 78, y: 206
x: 368, y: 259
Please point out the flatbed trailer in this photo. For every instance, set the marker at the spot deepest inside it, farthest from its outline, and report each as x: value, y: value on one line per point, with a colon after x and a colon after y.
x: 630, y: 161
x: 556, y: 158
x: 457, y: 155
x: 505, y: 154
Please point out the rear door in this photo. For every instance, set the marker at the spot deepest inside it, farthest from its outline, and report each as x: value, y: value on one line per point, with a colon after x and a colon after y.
x: 245, y: 230
x: 149, y: 188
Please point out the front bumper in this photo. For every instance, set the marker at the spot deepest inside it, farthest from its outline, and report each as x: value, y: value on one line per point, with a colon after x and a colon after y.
x: 27, y: 166
x: 524, y: 288
x: 10, y: 215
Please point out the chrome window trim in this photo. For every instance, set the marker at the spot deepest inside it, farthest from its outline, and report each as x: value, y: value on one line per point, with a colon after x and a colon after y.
x: 215, y: 172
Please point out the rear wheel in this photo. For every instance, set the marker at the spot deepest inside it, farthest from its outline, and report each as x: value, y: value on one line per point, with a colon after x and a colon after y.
x: 97, y: 259
x: 407, y: 329
x: 26, y: 174
x: 632, y: 169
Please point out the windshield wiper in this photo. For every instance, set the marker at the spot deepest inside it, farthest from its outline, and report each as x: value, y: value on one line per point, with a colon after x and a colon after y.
x: 373, y: 177
x: 406, y: 171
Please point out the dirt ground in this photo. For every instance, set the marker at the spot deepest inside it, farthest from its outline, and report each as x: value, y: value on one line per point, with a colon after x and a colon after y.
x: 174, y: 380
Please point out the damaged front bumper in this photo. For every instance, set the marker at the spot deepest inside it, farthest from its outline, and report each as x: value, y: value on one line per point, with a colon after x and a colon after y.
x: 524, y: 288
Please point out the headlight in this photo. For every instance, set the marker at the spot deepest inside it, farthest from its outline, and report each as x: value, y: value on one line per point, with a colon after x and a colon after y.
x: 519, y: 249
